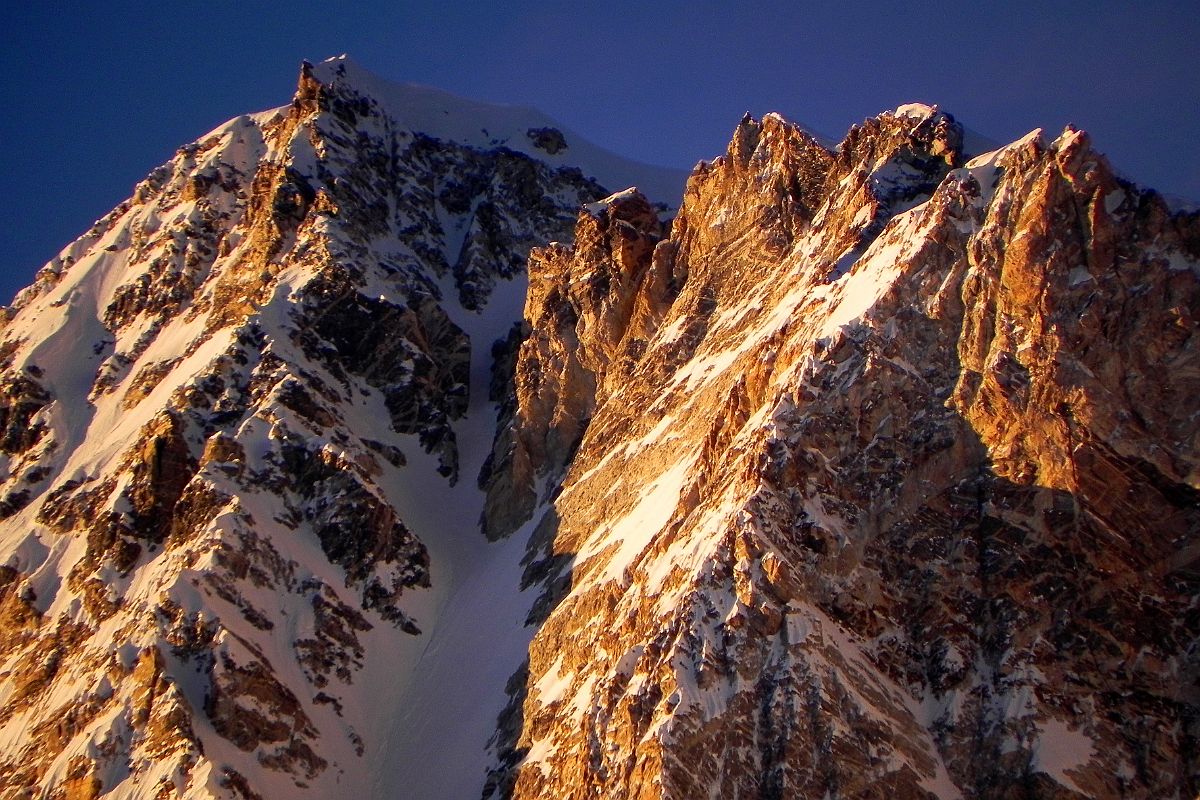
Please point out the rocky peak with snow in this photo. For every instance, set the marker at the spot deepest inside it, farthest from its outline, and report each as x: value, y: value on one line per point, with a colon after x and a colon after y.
x: 209, y: 402
x: 375, y: 448
x: 861, y: 509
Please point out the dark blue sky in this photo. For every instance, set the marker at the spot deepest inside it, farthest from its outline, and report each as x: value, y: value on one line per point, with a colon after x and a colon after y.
x: 95, y: 95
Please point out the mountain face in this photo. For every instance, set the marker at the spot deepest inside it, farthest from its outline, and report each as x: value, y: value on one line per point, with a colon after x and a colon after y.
x: 374, y: 448
x: 214, y: 565
x: 878, y: 475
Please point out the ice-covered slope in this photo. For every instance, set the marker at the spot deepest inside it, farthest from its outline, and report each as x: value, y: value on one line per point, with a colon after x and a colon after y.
x: 235, y: 414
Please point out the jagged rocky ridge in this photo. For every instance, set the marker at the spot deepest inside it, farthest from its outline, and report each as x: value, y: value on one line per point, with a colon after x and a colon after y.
x: 878, y: 475
x: 873, y: 471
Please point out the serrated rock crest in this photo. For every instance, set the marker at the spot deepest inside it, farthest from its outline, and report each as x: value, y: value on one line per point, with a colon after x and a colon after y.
x: 874, y: 470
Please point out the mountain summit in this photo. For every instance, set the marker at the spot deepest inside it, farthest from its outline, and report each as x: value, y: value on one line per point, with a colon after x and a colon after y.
x: 385, y: 444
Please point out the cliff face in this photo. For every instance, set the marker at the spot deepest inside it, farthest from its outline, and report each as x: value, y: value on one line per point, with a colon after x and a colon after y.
x: 873, y: 471
x: 888, y: 484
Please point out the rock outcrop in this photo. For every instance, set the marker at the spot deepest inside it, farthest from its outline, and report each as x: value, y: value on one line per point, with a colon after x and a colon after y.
x: 590, y: 309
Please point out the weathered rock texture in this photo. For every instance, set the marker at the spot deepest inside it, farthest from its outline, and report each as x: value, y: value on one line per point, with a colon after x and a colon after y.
x: 206, y: 408
x: 872, y: 473
x: 877, y: 477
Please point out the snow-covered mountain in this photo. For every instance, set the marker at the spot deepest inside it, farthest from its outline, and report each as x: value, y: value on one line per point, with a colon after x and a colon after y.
x: 235, y: 415
x: 375, y: 448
